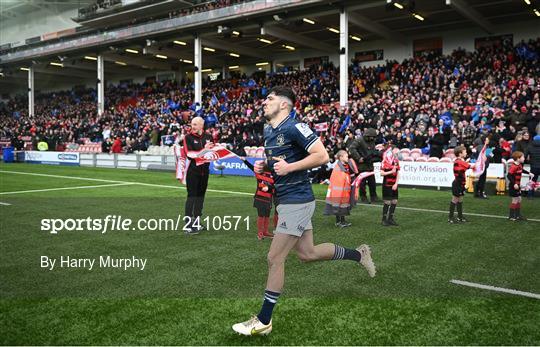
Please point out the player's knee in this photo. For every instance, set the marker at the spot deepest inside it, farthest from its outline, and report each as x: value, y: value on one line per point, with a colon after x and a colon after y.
x: 274, y: 260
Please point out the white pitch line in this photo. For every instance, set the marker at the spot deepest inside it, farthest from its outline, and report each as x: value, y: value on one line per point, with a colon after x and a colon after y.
x: 59, y: 176
x: 241, y: 193
x: 496, y: 289
x: 123, y: 182
x: 446, y: 212
x: 5, y: 204
x: 63, y: 188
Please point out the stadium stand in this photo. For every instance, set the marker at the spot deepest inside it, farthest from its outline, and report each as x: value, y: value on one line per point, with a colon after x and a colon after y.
x: 428, y: 104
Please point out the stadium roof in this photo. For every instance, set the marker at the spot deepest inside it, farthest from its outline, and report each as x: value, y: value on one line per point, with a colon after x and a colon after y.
x: 305, y: 25
x: 20, y: 8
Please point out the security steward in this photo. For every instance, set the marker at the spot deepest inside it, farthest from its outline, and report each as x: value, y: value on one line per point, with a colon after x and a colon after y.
x: 363, y: 151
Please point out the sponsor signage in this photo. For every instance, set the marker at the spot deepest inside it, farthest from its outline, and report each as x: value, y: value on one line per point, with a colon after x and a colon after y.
x: 232, y: 166
x: 52, y: 158
x: 374, y: 55
x: 493, y: 41
x: 411, y: 173
x: 317, y: 61
x: 422, y: 174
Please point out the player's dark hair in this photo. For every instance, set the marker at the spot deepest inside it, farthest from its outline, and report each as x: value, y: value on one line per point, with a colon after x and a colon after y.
x: 285, y: 92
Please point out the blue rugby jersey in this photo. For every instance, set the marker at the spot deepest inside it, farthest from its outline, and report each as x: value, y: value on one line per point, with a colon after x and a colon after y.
x: 291, y: 141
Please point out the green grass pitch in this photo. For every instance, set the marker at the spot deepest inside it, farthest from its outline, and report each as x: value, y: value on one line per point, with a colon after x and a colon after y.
x: 195, y: 287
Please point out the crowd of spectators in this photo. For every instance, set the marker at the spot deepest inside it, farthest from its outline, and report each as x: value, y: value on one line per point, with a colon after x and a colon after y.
x: 430, y: 102
x: 203, y: 6
x: 97, y: 7
x: 197, y: 7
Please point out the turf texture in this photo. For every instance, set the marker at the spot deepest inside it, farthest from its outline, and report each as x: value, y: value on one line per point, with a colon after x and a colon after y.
x: 195, y: 287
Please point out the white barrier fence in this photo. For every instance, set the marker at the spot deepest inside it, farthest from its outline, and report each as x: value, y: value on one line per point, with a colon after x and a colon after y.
x: 52, y: 158
x: 427, y: 174
x: 126, y: 161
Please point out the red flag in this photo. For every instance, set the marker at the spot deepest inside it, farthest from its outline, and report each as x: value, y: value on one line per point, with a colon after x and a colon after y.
x: 208, y: 155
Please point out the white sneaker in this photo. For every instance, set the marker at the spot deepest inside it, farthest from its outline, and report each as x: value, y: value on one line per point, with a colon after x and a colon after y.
x: 253, y: 327
x: 366, y: 260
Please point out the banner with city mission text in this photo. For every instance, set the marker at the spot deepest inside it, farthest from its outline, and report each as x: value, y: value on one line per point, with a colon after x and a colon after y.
x: 422, y: 174
x: 412, y: 173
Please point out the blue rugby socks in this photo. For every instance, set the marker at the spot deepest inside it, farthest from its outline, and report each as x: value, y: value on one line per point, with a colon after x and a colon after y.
x: 270, y: 300
x: 345, y: 253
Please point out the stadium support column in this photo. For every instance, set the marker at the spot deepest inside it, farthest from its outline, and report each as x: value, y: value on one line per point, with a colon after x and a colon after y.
x: 31, y: 91
x: 100, y: 84
x: 225, y: 72
x: 343, y: 57
x: 198, y: 67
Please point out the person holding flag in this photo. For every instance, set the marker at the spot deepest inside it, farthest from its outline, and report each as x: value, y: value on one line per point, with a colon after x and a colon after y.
x: 458, y: 185
x: 480, y: 170
x: 192, y: 169
x: 390, y: 173
x: 364, y: 153
x: 514, y: 187
x: 195, y: 176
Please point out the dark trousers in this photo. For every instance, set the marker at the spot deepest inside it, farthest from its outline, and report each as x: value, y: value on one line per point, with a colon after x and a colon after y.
x: 481, y: 184
x: 536, y: 172
x: 196, y: 189
x: 370, y: 182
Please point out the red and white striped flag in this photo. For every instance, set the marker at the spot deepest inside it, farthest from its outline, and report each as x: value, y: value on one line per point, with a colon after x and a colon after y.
x: 532, y: 185
x: 182, y: 163
x: 208, y: 155
x: 361, y: 176
x: 480, y: 162
x: 320, y: 127
x: 358, y: 180
x: 388, y: 158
